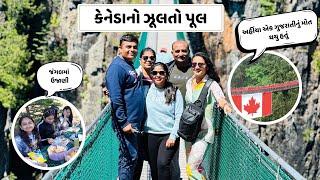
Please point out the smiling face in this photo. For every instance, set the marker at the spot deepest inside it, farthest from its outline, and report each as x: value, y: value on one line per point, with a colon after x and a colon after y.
x: 27, y: 125
x: 199, y: 67
x: 180, y: 51
x: 159, y: 76
x: 128, y: 50
x: 147, y: 60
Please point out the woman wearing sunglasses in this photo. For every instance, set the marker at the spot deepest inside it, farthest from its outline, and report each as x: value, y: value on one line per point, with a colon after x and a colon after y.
x: 147, y: 59
x: 164, y: 104
x: 203, y: 69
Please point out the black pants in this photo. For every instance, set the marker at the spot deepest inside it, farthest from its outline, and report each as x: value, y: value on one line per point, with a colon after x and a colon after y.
x: 162, y: 160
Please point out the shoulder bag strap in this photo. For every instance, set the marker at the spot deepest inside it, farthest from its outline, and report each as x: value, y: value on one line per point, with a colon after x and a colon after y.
x: 204, y: 91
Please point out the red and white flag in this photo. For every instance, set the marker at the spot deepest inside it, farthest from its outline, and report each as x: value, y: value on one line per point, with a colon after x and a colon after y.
x: 254, y: 105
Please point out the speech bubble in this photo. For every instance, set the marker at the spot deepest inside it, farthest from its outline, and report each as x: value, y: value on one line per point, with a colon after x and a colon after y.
x: 59, y: 76
x: 278, y: 30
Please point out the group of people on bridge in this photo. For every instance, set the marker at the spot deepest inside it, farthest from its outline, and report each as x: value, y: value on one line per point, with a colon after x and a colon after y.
x: 147, y: 104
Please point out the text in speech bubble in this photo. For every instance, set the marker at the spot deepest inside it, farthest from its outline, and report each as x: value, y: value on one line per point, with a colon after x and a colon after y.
x: 59, y: 76
x: 278, y: 30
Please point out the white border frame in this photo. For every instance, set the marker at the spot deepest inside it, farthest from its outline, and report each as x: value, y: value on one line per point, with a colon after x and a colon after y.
x: 30, y: 162
x: 274, y: 121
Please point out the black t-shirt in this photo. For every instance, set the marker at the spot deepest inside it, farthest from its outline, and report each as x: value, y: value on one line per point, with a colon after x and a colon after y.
x: 46, y: 130
x: 179, y: 77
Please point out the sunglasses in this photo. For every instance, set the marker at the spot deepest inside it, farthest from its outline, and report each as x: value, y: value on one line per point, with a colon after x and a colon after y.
x: 200, y: 65
x: 161, y: 73
x: 145, y: 58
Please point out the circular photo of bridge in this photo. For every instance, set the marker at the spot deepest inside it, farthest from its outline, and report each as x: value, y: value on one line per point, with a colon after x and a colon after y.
x: 265, y: 91
x: 48, y: 132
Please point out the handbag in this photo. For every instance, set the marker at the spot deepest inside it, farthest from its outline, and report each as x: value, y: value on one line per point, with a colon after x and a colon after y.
x: 192, y: 116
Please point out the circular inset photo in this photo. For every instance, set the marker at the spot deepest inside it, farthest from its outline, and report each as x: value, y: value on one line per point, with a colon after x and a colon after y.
x: 48, y: 132
x: 265, y: 91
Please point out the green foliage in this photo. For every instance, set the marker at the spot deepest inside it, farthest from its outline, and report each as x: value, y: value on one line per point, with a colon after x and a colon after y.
x: 46, y: 54
x: 316, y: 60
x: 12, y: 176
x: 20, y: 11
x: 49, y: 52
x: 85, y: 80
x: 268, y: 69
x: 282, y: 103
x: 16, y: 55
x: 36, y: 108
x: 136, y: 2
x: 14, y: 65
x: 306, y: 134
x: 267, y: 7
x: 54, y: 20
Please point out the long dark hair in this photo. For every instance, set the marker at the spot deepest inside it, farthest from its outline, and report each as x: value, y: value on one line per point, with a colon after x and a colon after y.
x: 170, y: 89
x: 211, y: 72
x: 24, y: 135
x: 147, y: 49
x: 71, y: 115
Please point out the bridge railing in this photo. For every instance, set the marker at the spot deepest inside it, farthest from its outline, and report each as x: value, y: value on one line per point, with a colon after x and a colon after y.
x: 239, y: 154
x: 235, y: 154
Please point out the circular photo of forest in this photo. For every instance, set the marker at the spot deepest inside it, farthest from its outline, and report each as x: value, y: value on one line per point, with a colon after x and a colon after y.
x: 266, y: 90
x: 48, y: 132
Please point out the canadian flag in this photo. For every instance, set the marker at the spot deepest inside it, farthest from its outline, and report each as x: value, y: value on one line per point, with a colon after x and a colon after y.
x: 254, y: 105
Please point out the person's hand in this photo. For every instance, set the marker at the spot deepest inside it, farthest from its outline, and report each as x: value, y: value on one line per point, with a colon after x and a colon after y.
x: 224, y: 105
x: 227, y: 108
x: 50, y: 140
x: 170, y: 143
x: 128, y: 129
x: 105, y: 91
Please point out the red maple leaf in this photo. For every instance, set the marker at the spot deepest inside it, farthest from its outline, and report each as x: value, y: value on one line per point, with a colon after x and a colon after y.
x: 252, y: 106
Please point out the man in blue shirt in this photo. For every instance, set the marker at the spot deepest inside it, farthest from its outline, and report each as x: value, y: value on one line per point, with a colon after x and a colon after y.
x: 128, y: 104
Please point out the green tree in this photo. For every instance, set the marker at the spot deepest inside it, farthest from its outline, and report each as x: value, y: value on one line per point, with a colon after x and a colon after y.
x: 267, y: 7
x: 22, y: 19
x: 268, y: 69
x: 14, y: 65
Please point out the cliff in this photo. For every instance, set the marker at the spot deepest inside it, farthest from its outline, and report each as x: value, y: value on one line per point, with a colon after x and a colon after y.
x: 296, y: 139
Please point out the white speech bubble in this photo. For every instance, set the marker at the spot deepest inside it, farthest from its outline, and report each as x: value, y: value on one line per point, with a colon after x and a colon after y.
x: 277, y: 30
x: 59, y: 76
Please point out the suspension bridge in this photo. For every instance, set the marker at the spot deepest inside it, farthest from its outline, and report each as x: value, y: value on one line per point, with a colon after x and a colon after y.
x: 267, y: 88
x: 235, y: 154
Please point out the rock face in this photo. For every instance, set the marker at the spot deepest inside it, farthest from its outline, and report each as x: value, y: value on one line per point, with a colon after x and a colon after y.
x: 296, y: 139
x: 90, y: 50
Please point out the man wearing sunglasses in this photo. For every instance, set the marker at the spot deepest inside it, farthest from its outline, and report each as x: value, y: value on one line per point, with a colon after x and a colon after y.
x: 128, y: 107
